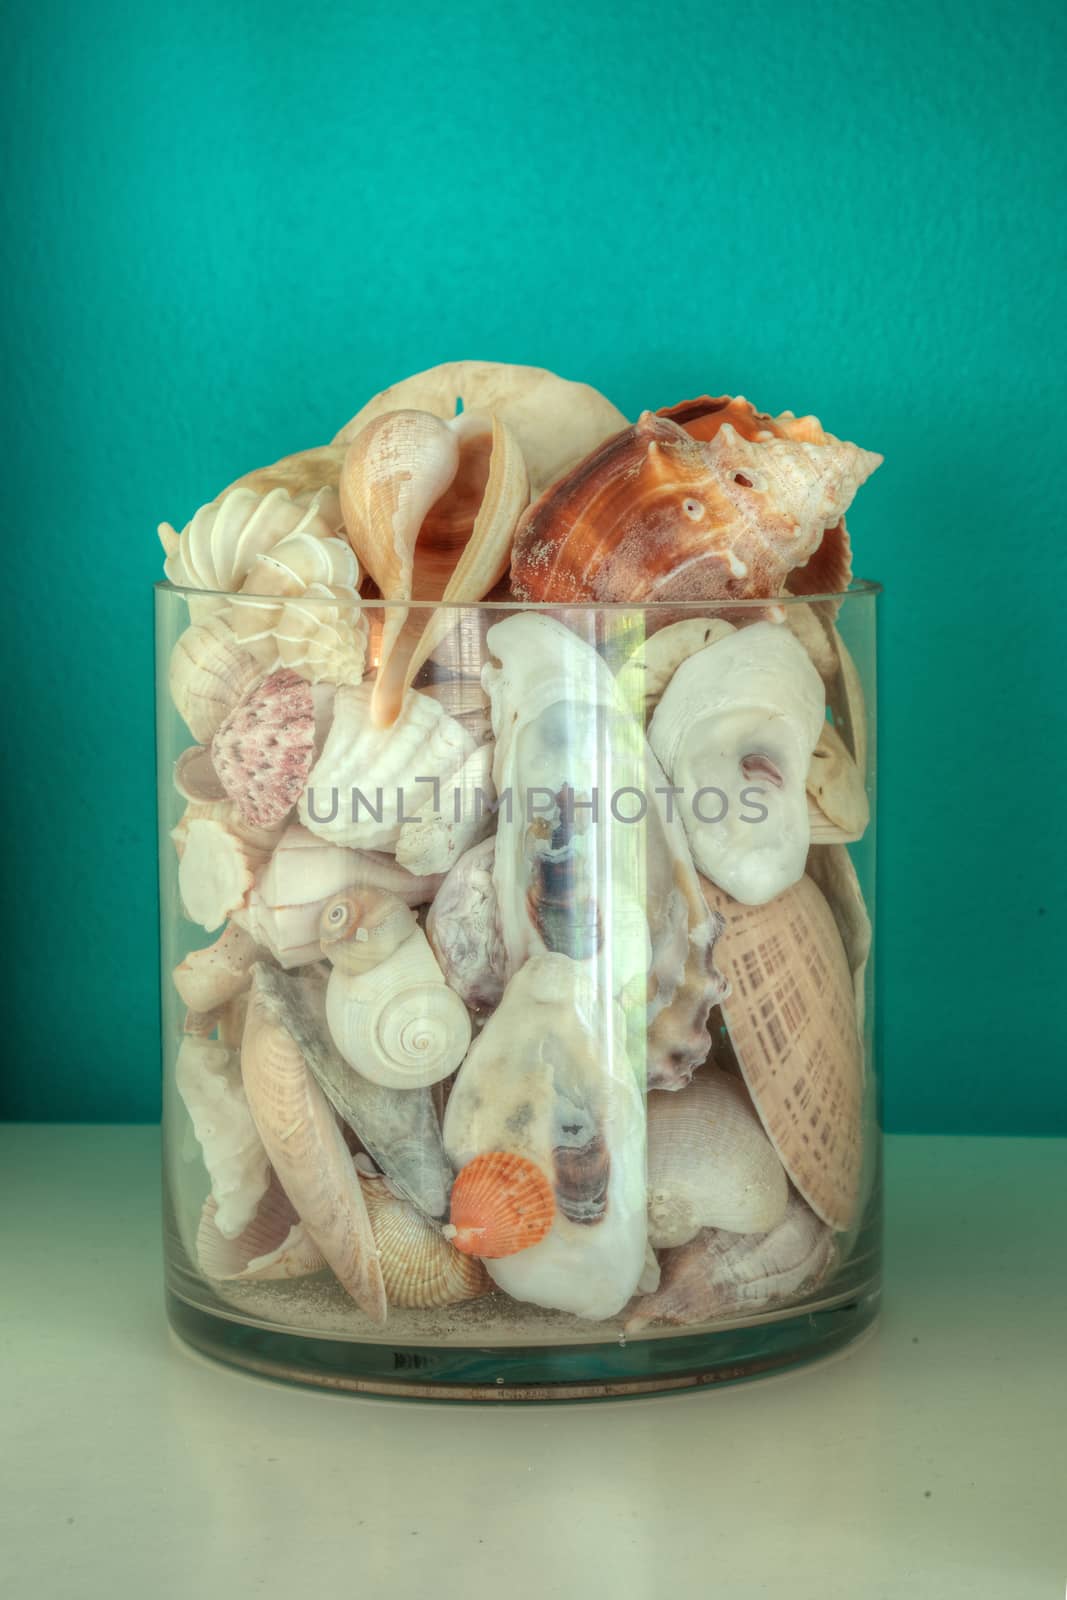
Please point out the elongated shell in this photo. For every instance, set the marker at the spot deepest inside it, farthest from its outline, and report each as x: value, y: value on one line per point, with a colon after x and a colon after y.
x: 397, y: 1127
x: 463, y: 927
x: 830, y: 868
x: 209, y: 673
x: 710, y: 1164
x: 398, y: 1023
x: 419, y: 1265
x: 368, y: 780
x: 306, y: 1148
x: 720, y: 1274
x: 656, y: 515
x: 208, y: 1078
x: 735, y: 731
x: 210, y: 978
x: 792, y: 1021
x: 555, y: 421
x: 430, y: 508
x: 285, y: 906
x: 274, y: 1245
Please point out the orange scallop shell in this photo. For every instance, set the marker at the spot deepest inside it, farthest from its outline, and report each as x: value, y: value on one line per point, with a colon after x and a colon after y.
x: 501, y: 1204
x: 657, y: 514
x: 829, y: 570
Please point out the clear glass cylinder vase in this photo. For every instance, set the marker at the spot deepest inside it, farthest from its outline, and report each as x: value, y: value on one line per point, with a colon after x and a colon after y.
x: 518, y: 1003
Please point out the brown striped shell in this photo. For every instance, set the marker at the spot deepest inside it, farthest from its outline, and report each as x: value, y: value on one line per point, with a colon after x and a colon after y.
x: 419, y: 1266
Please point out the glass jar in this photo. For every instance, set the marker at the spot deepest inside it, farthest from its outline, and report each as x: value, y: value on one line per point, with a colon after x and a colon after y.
x: 521, y: 1046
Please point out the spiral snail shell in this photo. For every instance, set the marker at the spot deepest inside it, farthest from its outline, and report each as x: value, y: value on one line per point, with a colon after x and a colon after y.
x: 392, y: 1016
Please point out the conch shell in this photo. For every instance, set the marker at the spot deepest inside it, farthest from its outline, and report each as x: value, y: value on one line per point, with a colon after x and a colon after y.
x: 656, y: 515
x: 791, y: 1017
x: 430, y: 508
x: 548, y: 1080
x: 419, y: 1265
x: 275, y: 1244
x: 738, y: 722
x: 305, y: 1146
x: 722, y: 1274
x: 391, y: 1014
x: 208, y: 1078
x: 555, y: 421
x: 710, y: 1164
x: 369, y: 780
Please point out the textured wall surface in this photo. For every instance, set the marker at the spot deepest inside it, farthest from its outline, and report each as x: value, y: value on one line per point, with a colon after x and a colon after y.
x: 228, y: 225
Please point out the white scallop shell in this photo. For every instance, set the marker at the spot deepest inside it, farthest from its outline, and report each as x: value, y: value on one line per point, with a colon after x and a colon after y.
x: 209, y: 673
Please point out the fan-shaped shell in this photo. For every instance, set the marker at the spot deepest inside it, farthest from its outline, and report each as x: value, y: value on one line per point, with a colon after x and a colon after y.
x: 263, y: 751
x: 555, y: 421
x: 720, y: 1274
x: 463, y: 927
x: 501, y: 1204
x: 792, y: 1022
x: 430, y: 508
x: 208, y: 674
x: 364, y: 786
x: 656, y: 515
x: 419, y: 1265
x: 738, y: 723
x: 275, y: 1244
x: 710, y: 1164
x: 208, y: 1078
x: 305, y: 1146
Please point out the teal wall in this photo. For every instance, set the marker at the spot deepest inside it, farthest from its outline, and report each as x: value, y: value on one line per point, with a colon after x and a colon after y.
x: 229, y: 224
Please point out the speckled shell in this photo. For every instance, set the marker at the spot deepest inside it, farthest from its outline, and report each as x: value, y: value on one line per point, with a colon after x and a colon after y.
x: 657, y: 515
x: 212, y: 977
x: 791, y: 1016
x: 263, y: 750
x: 419, y: 1265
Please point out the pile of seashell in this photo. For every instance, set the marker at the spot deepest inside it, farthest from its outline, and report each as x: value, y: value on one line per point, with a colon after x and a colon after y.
x: 446, y: 1046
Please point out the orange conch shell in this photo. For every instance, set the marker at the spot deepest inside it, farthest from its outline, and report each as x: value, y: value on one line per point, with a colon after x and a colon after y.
x: 829, y: 570
x: 655, y: 514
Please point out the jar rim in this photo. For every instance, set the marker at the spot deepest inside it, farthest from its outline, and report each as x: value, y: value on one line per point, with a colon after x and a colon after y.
x: 859, y: 587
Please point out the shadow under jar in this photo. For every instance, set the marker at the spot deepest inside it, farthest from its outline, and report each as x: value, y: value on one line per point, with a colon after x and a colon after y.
x: 521, y: 1048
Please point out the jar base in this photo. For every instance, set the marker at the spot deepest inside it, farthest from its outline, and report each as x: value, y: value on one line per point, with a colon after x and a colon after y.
x: 616, y: 1370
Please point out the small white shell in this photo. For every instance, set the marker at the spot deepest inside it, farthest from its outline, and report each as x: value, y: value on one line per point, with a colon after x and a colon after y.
x: 208, y: 1078
x: 210, y: 978
x: 835, y: 783
x: 215, y: 873
x: 208, y: 674
x: 369, y: 780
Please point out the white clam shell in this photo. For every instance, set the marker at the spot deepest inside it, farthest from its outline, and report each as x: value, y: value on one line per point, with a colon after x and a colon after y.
x: 215, y: 873
x: 208, y: 674
x: 710, y: 1164
x: 370, y: 780
x: 208, y: 1078
x: 735, y: 731
x: 399, y: 1024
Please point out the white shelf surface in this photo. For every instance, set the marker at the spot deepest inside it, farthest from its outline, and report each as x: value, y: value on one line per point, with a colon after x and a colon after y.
x: 931, y: 1460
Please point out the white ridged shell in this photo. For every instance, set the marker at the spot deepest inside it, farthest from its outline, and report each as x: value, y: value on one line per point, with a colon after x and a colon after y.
x: 208, y: 1078
x: 419, y: 1266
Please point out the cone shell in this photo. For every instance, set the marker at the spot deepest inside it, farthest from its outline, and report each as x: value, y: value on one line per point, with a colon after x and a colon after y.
x: 264, y: 749
x: 792, y: 1021
x: 555, y: 421
x: 501, y: 1204
x: 656, y: 515
x: 274, y: 1245
x: 209, y: 673
x: 420, y: 1268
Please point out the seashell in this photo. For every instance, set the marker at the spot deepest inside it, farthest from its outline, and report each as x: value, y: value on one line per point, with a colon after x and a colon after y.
x: 208, y: 1079
x: 370, y: 780
x: 430, y: 507
x: 216, y: 871
x: 830, y: 868
x: 645, y: 674
x: 463, y: 927
x: 419, y: 1265
x: 196, y: 779
x: 314, y: 622
x: 388, y: 1008
x: 208, y: 674
x: 275, y: 1244
x: 655, y: 515
x: 304, y: 873
x: 845, y: 698
x: 264, y: 749
x: 720, y: 1274
x: 308, y: 475
x: 805, y: 623
x: 305, y: 1146
x: 791, y: 1017
x: 835, y: 783
x: 397, y: 1127
x: 208, y: 979
x: 823, y: 831
x: 710, y: 1164
x: 201, y: 1023
x: 465, y: 701
x: 501, y: 1204
x: 462, y: 817
x: 548, y: 1079
x: 739, y: 721
x: 556, y: 422
x: 219, y: 547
